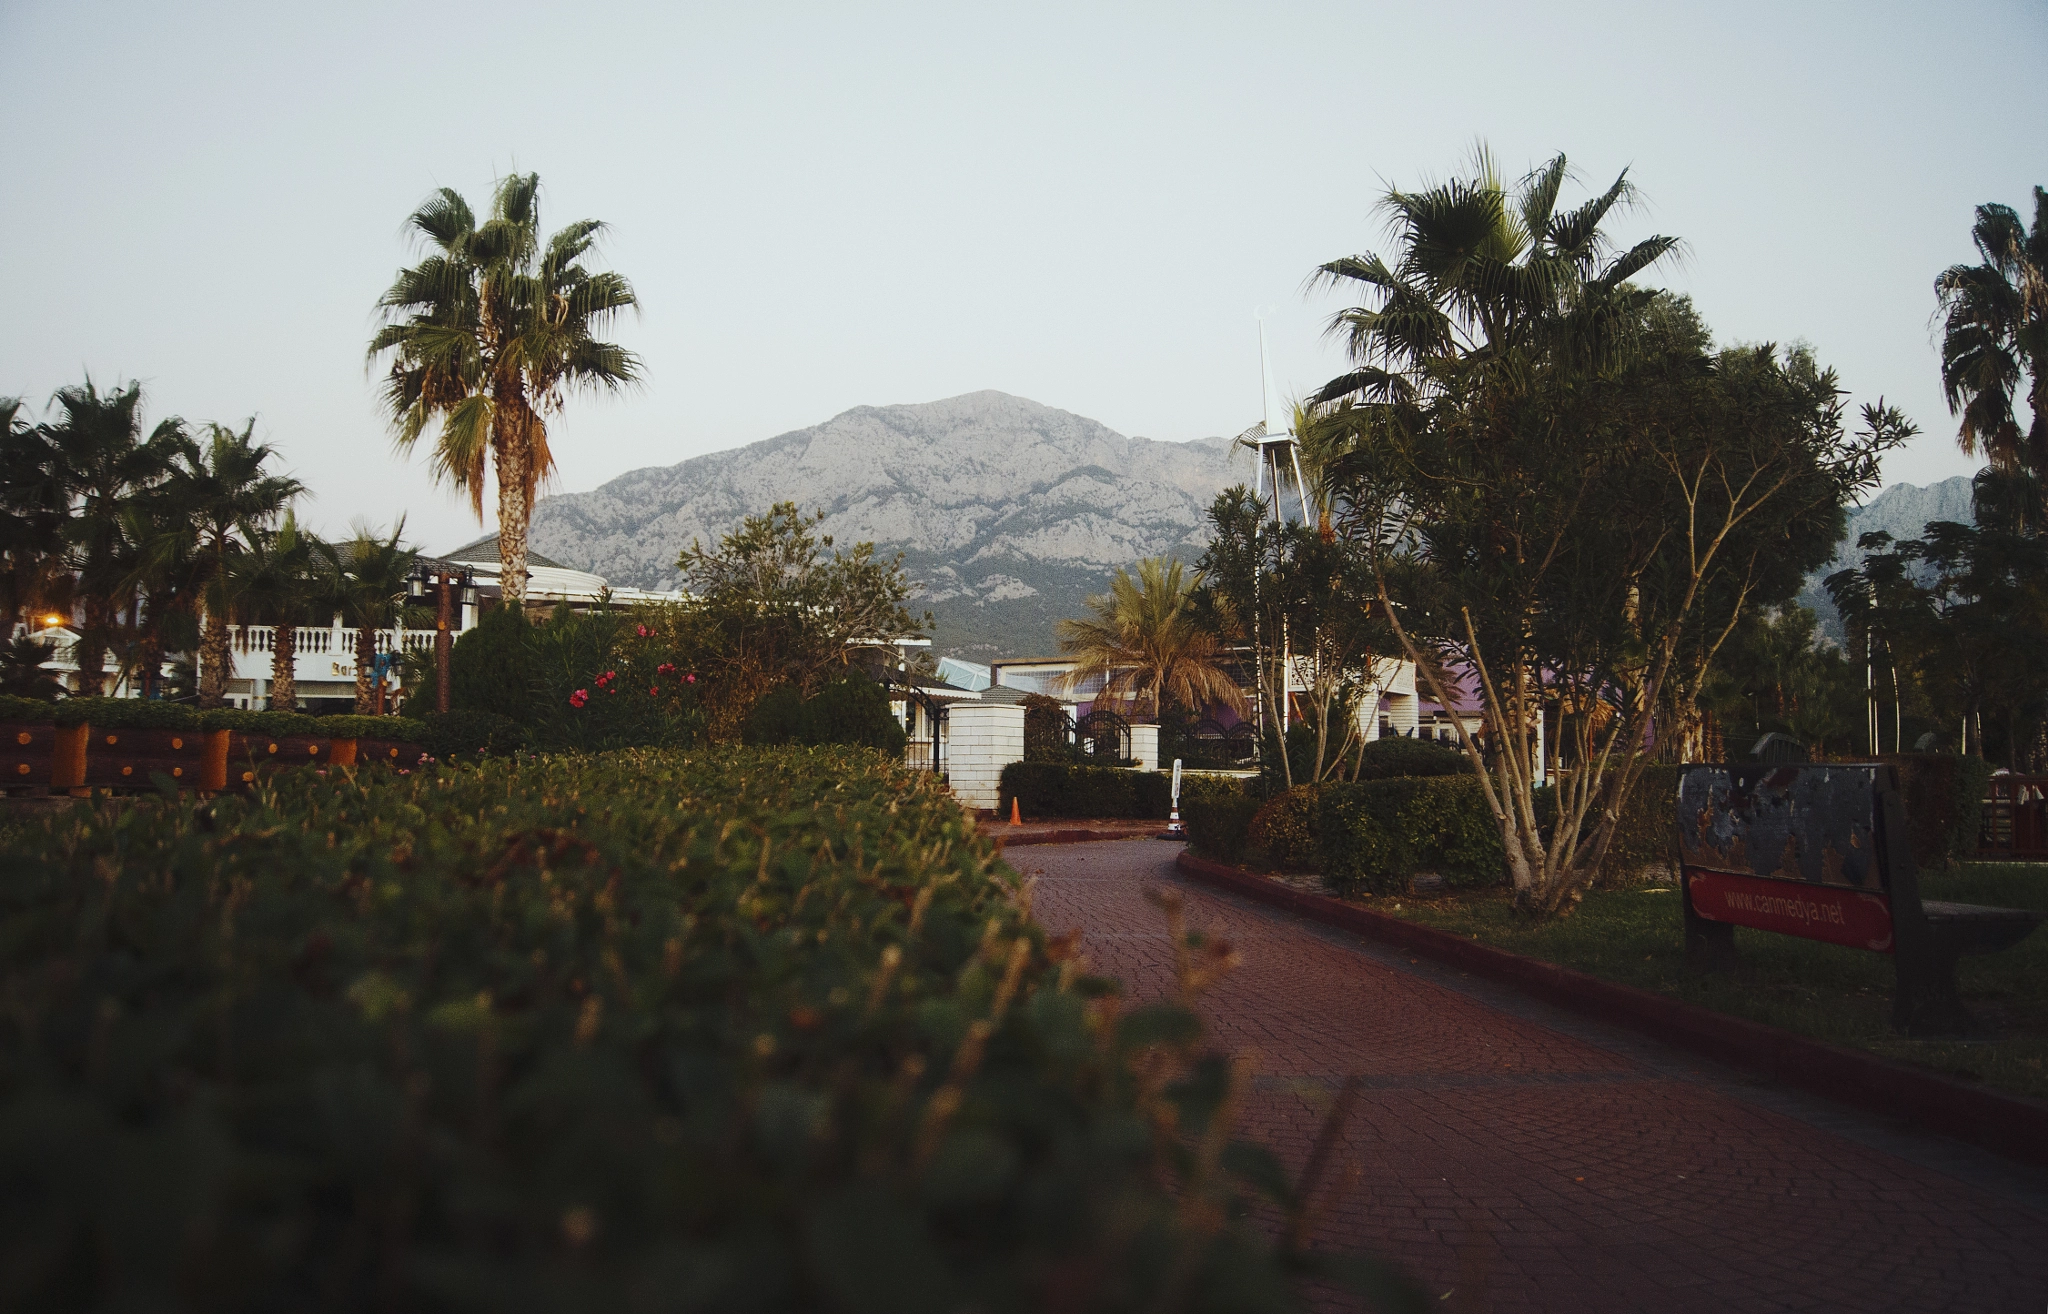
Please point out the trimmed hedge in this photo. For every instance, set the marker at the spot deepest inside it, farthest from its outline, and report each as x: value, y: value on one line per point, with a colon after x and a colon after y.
x: 1394, y: 757
x: 405, y: 729
x: 1374, y: 836
x: 467, y: 735
x: 1063, y: 789
x: 851, y: 710
x: 741, y: 1031
x: 1284, y: 829
x: 1945, y: 801
x: 26, y: 711
x: 1217, y: 816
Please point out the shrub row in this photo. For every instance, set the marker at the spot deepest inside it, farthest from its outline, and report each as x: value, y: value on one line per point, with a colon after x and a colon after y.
x: 1375, y: 835
x: 761, y: 1030
x: 1217, y: 812
x: 142, y: 714
x: 1064, y: 789
x: 1944, y: 795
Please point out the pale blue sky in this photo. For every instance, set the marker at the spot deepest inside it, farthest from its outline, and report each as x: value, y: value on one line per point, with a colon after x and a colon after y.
x: 827, y: 206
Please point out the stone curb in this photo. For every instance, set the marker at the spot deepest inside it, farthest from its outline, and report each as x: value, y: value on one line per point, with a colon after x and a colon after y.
x: 2011, y: 1125
x: 1076, y: 836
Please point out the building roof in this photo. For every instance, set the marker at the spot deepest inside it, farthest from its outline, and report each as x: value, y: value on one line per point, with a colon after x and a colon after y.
x: 1003, y: 693
x: 485, y: 550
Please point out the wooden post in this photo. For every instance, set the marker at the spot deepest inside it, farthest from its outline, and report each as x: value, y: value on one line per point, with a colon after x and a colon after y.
x: 67, y: 757
x: 213, y: 762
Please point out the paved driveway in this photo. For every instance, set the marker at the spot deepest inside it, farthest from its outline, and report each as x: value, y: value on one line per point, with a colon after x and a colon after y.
x: 1518, y: 1157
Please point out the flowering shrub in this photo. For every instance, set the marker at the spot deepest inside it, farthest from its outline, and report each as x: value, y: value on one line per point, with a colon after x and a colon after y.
x: 765, y: 1030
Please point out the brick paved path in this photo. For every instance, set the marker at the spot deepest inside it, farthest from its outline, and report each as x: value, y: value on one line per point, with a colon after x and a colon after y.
x: 1522, y: 1158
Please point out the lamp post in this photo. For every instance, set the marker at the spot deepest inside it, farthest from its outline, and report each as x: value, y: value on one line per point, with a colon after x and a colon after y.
x: 446, y: 580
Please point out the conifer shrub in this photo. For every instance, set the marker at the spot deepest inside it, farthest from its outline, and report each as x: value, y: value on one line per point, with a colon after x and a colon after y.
x: 490, y: 666
x: 1068, y: 789
x: 746, y: 1030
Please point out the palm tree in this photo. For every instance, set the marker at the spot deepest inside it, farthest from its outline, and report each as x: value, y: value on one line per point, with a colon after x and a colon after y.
x: 1143, y: 642
x: 486, y: 336
x: 276, y: 583
x: 364, y: 578
x: 1489, y: 284
x: 102, y: 463
x: 1996, y: 330
x: 229, y: 500
x: 32, y: 513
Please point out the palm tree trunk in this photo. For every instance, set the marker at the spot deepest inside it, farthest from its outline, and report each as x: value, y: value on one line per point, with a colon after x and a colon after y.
x: 213, y: 659
x: 284, y: 686
x: 366, y: 667
x: 514, y: 453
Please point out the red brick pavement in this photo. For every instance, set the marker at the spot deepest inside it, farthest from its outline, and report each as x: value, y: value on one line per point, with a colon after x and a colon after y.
x: 1515, y: 1157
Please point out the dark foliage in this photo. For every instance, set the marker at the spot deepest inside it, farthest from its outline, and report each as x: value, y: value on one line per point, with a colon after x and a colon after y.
x: 490, y: 668
x: 852, y: 710
x: 1383, y: 759
x: 1944, y: 803
x: 467, y: 735
x: 1376, y: 835
x: 752, y: 1031
x: 1062, y: 789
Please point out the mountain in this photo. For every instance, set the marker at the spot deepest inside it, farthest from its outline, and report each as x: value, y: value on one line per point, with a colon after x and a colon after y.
x: 1903, y: 511
x: 1008, y: 513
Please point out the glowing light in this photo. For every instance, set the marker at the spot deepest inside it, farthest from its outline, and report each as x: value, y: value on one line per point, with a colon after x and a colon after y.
x: 53, y: 619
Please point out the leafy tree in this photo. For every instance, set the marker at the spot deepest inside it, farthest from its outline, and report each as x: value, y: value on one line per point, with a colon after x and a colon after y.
x: 222, y: 491
x: 769, y: 607
x: 1533, y: 512
x: 1773, y: 673
x: 103, y: 462
x: 1995, y: 333
x: 850, y: 708
x: 364, y: 578
x: 487, y: 336
x: 22, y: 674
x: 1962, y: 615
x: 1299, y: 599
x: 1143, y: 642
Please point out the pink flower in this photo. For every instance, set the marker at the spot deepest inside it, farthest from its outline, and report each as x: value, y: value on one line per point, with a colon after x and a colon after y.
x: 691, y: 678
x: 642, y: 629
x: 652, y: 692
x: 580, y: 697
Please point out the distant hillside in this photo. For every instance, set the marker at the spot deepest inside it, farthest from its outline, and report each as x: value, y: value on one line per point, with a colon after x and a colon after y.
x: 1903, y: 511
x: 1009, y: 513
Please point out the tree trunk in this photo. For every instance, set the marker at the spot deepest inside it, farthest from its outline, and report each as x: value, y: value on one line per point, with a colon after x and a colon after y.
x: 213, y: 659
x: 515, y: 509
x: 284, y: 681
x: 366, y: 668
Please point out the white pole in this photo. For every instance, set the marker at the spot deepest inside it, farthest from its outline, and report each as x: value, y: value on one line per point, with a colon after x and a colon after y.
x: 1173, y: 820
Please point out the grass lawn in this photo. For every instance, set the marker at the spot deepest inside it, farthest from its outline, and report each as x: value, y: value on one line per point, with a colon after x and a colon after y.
x: 1835, y: 994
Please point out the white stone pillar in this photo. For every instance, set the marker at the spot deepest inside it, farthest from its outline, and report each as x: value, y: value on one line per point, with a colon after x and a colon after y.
x: 982, y: 739
x: 1145, y: 746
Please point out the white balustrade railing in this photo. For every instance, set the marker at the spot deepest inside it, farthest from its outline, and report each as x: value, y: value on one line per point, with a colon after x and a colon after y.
x: 311, y: 641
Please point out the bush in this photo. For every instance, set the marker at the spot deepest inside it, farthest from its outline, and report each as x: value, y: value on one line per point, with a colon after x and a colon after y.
x: 26, y: 711
x: 405, y: 729
x: 1646, y: 838
x: 1061, y: 789
x: 1375, y: 835
x: 127, y: 714
x: 1285, y: 827
x: 1944, y: 796
x: 762, y: 1031
x: 603, y: 681
x: 490, y: 668
x: 1218, y: 821
x: 260, y: 723
x: 467, y: 736
x: 1392, y: 757
x: 851, y: 710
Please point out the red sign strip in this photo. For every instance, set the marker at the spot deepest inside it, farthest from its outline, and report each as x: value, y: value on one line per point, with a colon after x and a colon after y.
x: 1814, y: 912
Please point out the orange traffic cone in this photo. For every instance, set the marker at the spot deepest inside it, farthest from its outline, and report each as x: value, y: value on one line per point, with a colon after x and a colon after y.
x: 1016, y: 818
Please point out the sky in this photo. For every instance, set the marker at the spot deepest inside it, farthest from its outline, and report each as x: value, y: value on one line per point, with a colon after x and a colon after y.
x: 828, y: 206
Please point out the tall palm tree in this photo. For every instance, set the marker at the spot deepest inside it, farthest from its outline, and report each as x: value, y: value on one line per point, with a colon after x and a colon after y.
x: 223, y: 490
x: 364, y: 578
x: 1143, y: 642
x: 277, y: 584
x: 33, y: 509
x: 1491, y: 284
x: 1996, y: 330
x: 104, y: 462
x: 487, y: 335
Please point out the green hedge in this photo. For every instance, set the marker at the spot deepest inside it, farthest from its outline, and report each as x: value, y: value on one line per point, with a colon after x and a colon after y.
x: 1284, y: 828
x: 1393, y: 757
x: 1219, y: 822
x: 740, y: 1031
x: 405, y: 729
x: 1063, y: 789
x: 26, y: 711
x: 851, y: 710
x: 1647, y: 834
x: 1374, y: 836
